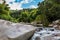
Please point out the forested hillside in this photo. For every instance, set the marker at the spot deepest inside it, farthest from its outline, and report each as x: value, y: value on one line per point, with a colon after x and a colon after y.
x: 47, y: 11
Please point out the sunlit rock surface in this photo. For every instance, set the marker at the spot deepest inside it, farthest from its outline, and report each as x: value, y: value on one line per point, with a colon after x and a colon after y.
x: 55, y: 24
x: 21, y: 33
x: 15, y: 31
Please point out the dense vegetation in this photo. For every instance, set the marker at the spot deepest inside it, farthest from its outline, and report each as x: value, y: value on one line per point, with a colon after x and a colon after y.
x: 47, y: 11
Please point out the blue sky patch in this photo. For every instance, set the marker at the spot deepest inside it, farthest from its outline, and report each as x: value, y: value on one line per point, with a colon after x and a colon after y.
x: 35, y: 2
x: 17, y: 1
x: 22, y: 4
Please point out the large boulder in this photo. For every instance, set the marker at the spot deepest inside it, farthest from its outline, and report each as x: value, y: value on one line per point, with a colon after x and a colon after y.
x: 3, y: 29
x: 15, y: 31
x: 21, y: 33
x: 56, y: 24
x: 38, y: 24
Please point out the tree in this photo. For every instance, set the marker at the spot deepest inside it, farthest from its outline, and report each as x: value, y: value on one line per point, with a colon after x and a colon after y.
x: 42, y: 10
x: 4, y: 11
x: 50, y: 10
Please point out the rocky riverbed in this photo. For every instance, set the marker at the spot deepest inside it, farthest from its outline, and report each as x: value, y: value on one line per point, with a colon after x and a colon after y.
x: 22, y: 31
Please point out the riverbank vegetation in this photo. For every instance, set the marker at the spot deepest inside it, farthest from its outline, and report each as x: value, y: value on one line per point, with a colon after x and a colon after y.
x: 47, y: 11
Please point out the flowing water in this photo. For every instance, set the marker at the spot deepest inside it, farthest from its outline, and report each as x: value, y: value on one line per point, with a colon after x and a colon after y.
x: 46, y: 34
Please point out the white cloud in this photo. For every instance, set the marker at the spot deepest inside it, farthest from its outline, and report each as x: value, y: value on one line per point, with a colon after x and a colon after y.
x: 1, y: 1
x: 14, y: 6
x: 7, y: 1
x: 17, y: 5
x: 26, y: 1
x: 33, y: 6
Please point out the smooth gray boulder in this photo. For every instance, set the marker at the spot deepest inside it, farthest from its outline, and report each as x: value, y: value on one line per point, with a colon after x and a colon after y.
x: 15, y: 31
x: 3, y: 29
x: 21, y: 33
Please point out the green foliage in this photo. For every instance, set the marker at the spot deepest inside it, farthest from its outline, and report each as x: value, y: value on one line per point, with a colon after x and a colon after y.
x: 50, y: 10
x: 5, y: 13
x: 47, y: 11
x: 25, y: 15
x: 38, y: 18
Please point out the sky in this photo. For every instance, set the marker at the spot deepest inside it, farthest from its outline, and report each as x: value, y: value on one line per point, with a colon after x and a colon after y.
x: 20, y: 4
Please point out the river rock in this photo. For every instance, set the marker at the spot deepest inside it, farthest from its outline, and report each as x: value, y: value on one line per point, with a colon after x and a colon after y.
x: 15, y: 31
x: 3, y: 29
x: 21, y: 33
x: 37, y: 38
x: 56, y: 24
x: 38, y: 24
